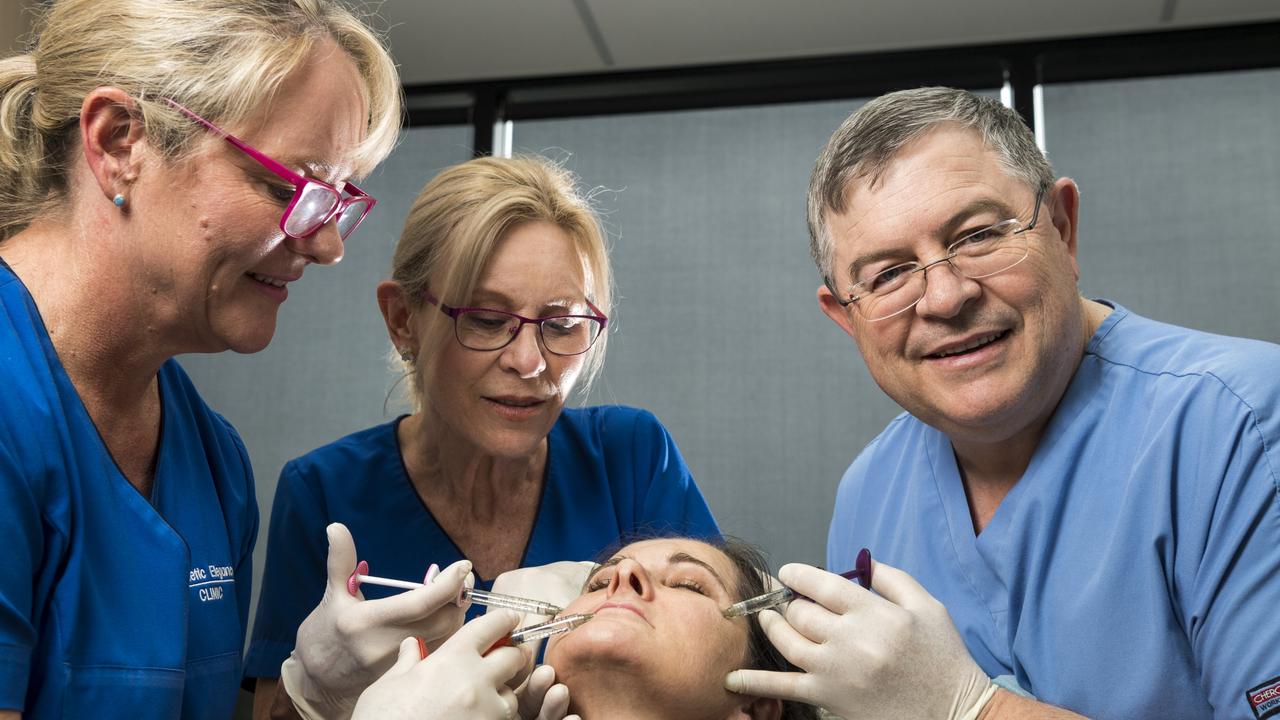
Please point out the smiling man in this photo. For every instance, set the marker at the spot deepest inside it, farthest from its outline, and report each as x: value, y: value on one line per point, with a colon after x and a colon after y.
x: 1091, y: 495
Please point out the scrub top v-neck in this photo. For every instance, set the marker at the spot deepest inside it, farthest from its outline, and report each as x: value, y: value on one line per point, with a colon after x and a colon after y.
x: 110, y: 601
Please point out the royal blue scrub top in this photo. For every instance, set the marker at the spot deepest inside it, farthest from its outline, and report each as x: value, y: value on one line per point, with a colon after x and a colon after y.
x: 112, y: 605
x: 611, y: 471
x: 1134, y: 569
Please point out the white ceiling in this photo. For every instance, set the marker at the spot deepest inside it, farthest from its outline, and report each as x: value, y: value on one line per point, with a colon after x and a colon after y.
x: 437, y: 41
x: 440, y: 41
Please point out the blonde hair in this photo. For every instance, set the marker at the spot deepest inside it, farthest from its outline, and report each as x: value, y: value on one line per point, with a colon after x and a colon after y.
x: 459, y: 218
x: 222, y: 58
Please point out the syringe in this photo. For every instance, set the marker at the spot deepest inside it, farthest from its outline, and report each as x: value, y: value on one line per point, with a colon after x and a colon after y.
x: 480, y: 597
x: 549, y: 628
x: 861, y: 572
x: 528, y: 633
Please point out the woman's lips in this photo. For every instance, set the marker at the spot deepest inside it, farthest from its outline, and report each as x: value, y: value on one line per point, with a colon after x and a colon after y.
x: 516, y: 408
x: 275, y: 288
x: 622, y: 606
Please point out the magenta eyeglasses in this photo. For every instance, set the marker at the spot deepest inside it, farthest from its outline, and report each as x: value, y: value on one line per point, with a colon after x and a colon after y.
x: 314, y: 203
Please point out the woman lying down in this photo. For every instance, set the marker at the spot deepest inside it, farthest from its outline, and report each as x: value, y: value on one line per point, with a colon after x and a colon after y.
x: 658, y: 645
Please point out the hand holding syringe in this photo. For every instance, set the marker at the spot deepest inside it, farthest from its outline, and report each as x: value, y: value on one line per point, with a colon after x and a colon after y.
x: 479, y: 597
x: 488, y: 599
x: 861, y: 572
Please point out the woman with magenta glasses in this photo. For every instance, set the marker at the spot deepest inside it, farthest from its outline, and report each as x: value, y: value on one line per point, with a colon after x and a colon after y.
x: 497, y: 308
x: 134, y: 228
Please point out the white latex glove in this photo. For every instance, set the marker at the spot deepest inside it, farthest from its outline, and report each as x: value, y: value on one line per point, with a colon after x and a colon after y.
x: 347, y: 642
x: 542, y: 698
x: 460, y: 679
x: 557, y: 583
x: 892, y: 655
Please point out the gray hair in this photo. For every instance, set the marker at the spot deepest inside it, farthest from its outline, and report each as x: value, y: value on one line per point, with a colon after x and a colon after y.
x: 863, y: 147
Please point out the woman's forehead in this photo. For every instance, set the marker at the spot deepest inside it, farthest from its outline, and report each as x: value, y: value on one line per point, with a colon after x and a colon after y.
x: 660, y: 552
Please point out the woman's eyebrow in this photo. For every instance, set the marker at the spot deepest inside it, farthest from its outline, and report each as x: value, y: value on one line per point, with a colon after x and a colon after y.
x: 682, y: 557
x: 674, y: 559
x: 606, y: 564
x: 490, y: 297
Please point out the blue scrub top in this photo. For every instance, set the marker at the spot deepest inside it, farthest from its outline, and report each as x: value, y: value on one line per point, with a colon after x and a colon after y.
x: 611, y: 471
x: 1134, y: 570
x: 110, y: 604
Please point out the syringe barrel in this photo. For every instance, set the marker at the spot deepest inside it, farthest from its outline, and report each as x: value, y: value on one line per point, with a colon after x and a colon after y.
x: 547, y: 629
x: 760, y: 602
x: 511, y: 602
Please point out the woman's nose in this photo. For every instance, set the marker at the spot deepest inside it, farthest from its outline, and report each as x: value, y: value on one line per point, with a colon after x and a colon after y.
x: 524, y: 354
x: 631, y: 577
x: 323, y: 247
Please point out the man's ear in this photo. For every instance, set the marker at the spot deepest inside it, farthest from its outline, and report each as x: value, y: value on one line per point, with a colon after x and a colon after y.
x: 397, y: 314
x: 1064, y: 199
x: 832, y: 308
x: 112, y: 135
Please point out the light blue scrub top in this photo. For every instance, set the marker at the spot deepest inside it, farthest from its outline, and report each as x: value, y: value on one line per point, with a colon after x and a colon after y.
x: 110, y: 605
x: 611, y: 471
x: 1134, y: 570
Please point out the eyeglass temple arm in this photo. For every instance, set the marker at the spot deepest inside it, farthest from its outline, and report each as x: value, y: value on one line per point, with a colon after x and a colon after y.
x: 1035, y: 215
x: 270, y: 164
x: 267, y: 162
x: 604, y: 319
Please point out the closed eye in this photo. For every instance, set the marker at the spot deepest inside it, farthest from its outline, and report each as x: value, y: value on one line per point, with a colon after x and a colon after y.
x: 280, y: 193
x: 693, y: 585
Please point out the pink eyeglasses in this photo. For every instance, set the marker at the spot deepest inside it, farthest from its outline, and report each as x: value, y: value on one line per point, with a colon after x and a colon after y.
x: 314, y: 203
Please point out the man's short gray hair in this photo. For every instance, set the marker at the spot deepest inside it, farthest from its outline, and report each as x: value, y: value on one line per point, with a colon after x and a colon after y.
x: 867, y: 142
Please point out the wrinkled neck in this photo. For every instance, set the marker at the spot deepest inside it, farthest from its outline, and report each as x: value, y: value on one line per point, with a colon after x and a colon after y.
x: 463, y: 474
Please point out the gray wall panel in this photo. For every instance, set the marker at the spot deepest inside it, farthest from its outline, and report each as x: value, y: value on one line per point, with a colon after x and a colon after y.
x: 717, y: 328
x: 1179, y: 177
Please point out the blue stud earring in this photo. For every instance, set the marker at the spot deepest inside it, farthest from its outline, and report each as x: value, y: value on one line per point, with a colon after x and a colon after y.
x: 118, y: 200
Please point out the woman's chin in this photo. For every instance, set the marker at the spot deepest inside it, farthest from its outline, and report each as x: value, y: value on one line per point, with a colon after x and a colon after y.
x: 246, y: 336
x: 597, y: 646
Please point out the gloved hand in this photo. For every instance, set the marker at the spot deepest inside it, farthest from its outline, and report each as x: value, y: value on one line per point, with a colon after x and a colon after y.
x: 460, y: 679
x: 542, y: 698
x: 892, y: 655
x: 347, y: 642
x: 557, y: 583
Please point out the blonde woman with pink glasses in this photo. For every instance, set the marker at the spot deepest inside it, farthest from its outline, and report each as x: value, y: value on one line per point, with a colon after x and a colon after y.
x: 168, y: 168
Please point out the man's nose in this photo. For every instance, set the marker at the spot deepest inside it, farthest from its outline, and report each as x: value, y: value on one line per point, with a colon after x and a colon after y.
x: 946, y: 290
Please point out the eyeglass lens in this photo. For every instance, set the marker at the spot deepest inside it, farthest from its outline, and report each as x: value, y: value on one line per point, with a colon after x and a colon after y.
x: 487, y: 330
x: 309, y: 208
x: 312, y: 207
x: 982, y: 254
x: 351, y: 217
